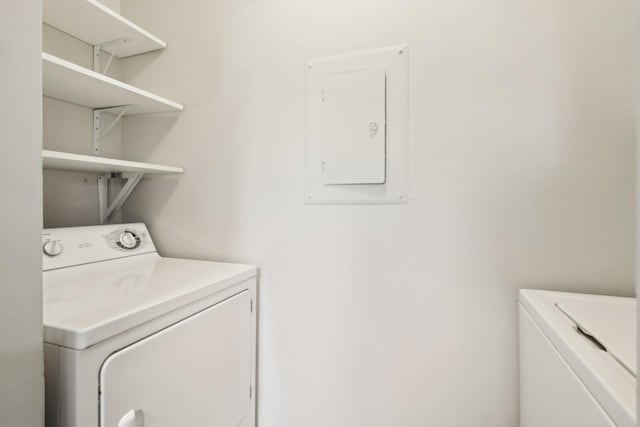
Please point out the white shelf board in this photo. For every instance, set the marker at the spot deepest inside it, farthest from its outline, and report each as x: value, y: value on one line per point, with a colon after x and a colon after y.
x: 80, y: 163
x: 70, y: 82
x: 96, y: 24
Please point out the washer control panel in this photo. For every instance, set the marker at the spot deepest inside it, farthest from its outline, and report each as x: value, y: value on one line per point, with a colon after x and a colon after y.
x: 66, y: 247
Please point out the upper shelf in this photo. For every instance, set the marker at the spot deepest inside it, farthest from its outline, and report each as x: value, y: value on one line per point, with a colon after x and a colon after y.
x: 96, y: 24
x: 80, y: 163
x: 70, y: 82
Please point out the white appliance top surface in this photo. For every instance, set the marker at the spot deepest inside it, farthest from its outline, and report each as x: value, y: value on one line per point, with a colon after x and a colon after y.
x: 610, y: 374
x: 88, y: 303
x: 612, y: 323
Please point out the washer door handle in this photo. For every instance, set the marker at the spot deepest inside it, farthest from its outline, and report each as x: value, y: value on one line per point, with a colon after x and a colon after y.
x: 132, y: 418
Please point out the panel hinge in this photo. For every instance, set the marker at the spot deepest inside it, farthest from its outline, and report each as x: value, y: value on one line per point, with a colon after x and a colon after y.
x: 250, y: 392
x: 106, y: 208
x: 251, y: 307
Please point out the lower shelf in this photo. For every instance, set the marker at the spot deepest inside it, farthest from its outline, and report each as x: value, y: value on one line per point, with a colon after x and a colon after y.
x: 80, y: 163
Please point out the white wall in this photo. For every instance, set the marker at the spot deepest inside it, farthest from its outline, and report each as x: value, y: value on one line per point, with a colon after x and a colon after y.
x: 21, y: 368
x: 522, y: 175
x: 637, y: 228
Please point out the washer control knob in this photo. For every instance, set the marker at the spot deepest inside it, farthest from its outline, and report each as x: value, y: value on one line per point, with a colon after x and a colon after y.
x: 128, y: 240
x: 52, y: 248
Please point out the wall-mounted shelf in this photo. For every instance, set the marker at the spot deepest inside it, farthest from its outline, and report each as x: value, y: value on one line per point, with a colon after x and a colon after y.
x: 77, y: 162
x: 96, y: 24
x: 70, y: 82
x: 107, y: 31
x: 130, y: 172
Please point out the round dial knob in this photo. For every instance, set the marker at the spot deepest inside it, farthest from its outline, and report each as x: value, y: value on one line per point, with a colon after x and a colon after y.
x: 128, y: 240
x: 52, y: 248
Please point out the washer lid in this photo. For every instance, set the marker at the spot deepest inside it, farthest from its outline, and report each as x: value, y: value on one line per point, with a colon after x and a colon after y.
x: 90, y: 303
x: 612, y: 324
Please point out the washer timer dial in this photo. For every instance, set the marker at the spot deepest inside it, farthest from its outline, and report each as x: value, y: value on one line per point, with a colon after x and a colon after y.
x: 128, y: 240
x: 52, y: 248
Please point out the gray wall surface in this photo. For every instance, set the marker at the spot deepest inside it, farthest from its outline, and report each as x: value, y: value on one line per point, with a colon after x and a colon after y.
x: 21, y: 367
x: 521, y: 174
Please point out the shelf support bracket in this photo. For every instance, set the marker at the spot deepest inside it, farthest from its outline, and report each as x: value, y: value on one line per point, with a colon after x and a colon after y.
x: 106, y: 208
x: 98, y: 134
x: 108, y: 47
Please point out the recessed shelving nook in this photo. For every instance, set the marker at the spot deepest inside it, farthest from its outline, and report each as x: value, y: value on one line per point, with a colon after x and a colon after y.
x: 111, y: 34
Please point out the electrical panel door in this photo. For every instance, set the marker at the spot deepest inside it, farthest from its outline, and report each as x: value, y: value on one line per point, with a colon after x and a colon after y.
x: 354, y: 127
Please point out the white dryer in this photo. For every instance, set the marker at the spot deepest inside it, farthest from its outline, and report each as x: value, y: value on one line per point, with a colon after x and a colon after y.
x: 577, y: 360
x: 134, y: 339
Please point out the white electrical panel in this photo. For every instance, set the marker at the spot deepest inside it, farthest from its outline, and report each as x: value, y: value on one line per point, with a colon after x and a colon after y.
x: 356, y: 130
x: 353, y: 128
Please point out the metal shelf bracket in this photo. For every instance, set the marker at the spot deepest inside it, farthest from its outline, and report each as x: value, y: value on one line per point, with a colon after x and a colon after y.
x: 106, y: 208
x: 98, y: 134
x: 108, y: 47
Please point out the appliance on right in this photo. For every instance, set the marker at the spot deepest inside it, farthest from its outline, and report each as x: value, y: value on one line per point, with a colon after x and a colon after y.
x: 577, y: 360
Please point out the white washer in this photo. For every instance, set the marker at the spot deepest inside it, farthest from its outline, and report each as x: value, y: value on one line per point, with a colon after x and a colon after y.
x: 577, y: 360
x: 134, y: 339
